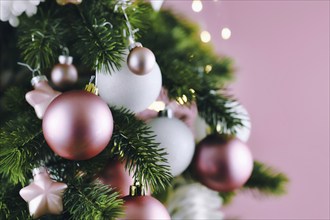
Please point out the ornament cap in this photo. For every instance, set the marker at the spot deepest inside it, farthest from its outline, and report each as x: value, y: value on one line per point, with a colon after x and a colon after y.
x: 36, y: 79
x: 168, y: 113
x: 64, y: 59
x: 39, y: 170
x: 134, y: 45
x: 136, y: 190
x: 91, y: 87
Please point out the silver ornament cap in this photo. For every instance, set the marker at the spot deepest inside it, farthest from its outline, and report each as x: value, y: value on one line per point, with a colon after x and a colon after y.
x: 36, y: 79
x: 64, y: 59
x: 168, y: 113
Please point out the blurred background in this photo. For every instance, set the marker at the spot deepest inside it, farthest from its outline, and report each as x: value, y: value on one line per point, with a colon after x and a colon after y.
x: 281, y: 51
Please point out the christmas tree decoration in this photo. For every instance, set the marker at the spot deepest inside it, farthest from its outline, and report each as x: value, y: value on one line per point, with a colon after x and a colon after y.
x: 44, y: 195
x: 194, y: 201
x: 243, y: 131
x: 77, y: 125
x: 65, y: 73
x: 177, y: 140
x: 117, y: 177
x: 138, y: 206
x: 65, y: 2
x: 222, y: 164
x: 123, y: 88
x: 140, y: 59
x: 200, y: 129
x: 10, y: 10
x: 41, y: 96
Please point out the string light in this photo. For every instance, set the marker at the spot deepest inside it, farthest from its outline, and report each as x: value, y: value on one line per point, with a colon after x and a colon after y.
x: 205, y: 36
x: 225, y: 33
x: 197, y: 5
x: 157, y: 106
x: 208, y: 68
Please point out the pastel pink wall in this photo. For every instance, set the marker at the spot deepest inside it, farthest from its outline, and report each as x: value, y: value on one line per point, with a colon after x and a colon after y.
x: 281, y: 49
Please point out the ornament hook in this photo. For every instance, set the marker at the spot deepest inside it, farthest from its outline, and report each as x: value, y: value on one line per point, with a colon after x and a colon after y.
x: 36, y: 70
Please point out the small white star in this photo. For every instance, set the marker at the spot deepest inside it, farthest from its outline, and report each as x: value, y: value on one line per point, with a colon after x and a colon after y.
x: 43, y: 195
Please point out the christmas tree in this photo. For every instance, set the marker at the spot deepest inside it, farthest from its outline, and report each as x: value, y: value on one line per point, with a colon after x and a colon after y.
x: 71, y: 154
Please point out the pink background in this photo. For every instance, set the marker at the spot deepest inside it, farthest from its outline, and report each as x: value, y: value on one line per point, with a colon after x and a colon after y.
x: 281, y: 50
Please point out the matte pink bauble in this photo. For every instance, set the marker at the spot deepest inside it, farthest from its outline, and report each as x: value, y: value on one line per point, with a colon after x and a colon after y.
x: 222, y: 164
x: 77, y: 125
x: 144, y: 207
x: 116, y: 176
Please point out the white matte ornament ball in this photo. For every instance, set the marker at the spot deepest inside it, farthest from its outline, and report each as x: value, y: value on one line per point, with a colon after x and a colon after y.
x: 177, y: 140
x: 122, y: 88
x: 242, y: 132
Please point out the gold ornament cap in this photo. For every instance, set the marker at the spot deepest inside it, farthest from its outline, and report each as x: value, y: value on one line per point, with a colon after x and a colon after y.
x: 91, y: 87
x: 136, y: 190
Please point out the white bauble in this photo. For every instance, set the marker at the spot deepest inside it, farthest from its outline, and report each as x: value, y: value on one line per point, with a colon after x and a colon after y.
x: 194, y: 201
x: 123, y: 88
x: 177, y: 140
x: 200, y: 128
x: 242, y: 132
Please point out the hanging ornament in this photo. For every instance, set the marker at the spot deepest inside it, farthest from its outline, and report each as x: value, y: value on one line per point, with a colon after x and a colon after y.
x: 200, y: 129
x: 64, y: 2
x: 242, y: 132
x: 140, y: 59
x: 43, y: 195
x: 156, y: 4
x: 10, y: 10
x: 41, y: 96
x: 122, y: 88
x: 117, y: 177
x: 138, y: 206
x: 194, y: 201
x: 78, y: 124
x: 65, y: 73
x: 177, y: 140
x: 222, y: 164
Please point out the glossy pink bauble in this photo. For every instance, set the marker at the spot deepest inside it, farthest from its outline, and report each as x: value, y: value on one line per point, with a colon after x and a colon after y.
x: 77, y: 125
x: 222, y: 164
x: 144, y: 207
x: 116, y: 176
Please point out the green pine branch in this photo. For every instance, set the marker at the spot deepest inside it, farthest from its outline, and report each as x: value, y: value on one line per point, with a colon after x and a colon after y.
x: 92, y: 201
x: 21, y: 147
x: 12, y: 206
x: 40, y: 38
x: 215, y: 108
x: 266, y: 180
x: 134, y: 141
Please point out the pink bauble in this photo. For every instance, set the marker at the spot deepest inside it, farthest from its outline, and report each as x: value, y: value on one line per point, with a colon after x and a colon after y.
x: 77, y: 125
x: 117, y: 177
x: 64, y: 75
x: 222, y: 164
x: 144, y: 207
